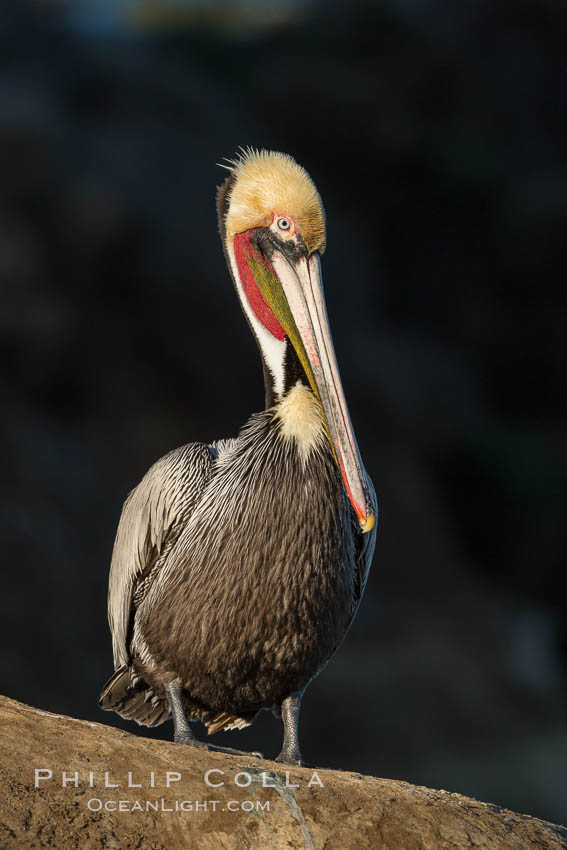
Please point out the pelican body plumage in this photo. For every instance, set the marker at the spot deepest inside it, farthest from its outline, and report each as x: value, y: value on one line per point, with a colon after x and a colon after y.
x: 238, y: 565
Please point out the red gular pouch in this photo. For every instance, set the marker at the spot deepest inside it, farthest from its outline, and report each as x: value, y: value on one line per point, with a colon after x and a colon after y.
x: 248, y: 256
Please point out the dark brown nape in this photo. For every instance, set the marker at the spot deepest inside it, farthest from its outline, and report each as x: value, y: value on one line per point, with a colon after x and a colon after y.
x: 223, y: 196
x: 223, y: 199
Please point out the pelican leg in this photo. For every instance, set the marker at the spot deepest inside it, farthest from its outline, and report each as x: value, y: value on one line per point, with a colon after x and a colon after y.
x: 182, y: 732
x: 290, y: 753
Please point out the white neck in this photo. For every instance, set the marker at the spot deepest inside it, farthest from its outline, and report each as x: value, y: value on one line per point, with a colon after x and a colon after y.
x: 273, y: 349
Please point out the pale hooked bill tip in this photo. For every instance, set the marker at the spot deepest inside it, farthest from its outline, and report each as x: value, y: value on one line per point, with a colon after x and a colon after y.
x: 368, y: 523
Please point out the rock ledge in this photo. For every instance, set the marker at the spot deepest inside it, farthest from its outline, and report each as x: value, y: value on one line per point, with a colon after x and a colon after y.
x: 158, y: 799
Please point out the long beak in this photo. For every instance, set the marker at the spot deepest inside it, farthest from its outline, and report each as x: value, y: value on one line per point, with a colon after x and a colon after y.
x: 310, y: 335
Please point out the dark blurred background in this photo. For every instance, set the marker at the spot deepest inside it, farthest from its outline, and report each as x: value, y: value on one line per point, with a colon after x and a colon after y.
x: 437, y: 136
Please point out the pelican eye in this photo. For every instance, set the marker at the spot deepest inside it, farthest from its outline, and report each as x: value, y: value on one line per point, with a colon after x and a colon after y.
x: 283, y: 223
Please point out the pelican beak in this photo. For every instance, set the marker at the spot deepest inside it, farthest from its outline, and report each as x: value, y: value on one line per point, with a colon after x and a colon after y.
x: 303, y: 316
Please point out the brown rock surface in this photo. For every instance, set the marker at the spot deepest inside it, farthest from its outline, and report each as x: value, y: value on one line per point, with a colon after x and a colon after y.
x: 328, y: 809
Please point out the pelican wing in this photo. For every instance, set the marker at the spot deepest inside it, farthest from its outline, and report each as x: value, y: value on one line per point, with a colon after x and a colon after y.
x: 152, y: 517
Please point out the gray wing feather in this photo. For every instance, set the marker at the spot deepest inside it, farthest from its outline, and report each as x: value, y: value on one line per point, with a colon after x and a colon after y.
x: 152, y: 517
x: 364, y: 551
x: 364, y: 557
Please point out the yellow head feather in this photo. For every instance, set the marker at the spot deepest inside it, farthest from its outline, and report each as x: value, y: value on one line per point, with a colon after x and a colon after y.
x: 268, y: 182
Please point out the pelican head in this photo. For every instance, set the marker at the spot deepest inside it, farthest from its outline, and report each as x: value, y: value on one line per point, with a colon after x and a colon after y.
x: 270, y: 186
x: 272, y: 223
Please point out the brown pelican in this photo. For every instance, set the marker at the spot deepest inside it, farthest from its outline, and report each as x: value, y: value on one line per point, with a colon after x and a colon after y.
x: 238, y: 566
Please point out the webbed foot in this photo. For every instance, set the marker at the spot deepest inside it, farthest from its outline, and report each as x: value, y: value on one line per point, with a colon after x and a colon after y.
x: 291, y: 757
x: 234, y: 752
x: 183, y: 733
x: 191, y: 741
